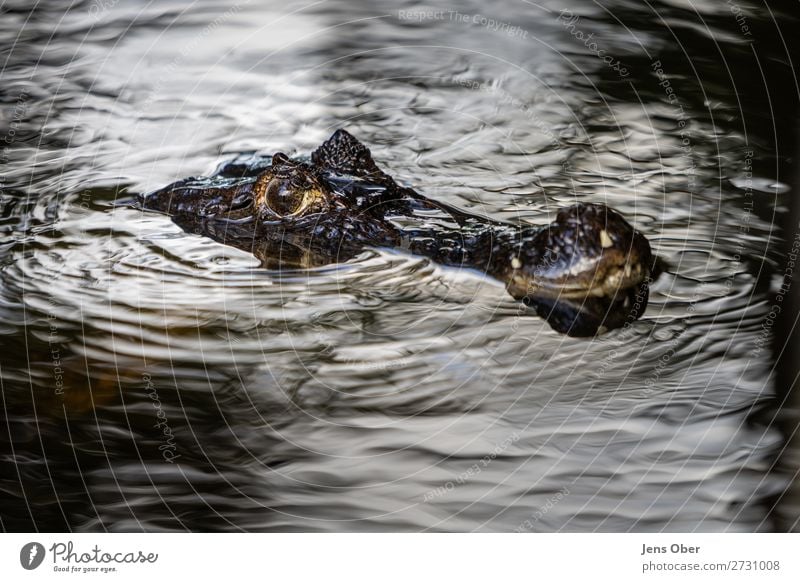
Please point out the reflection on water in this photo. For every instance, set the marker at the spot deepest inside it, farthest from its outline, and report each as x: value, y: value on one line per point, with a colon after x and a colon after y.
x: 157, y: 380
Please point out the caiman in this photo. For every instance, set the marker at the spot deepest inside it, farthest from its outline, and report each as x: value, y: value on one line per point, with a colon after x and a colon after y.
x: 586, y: 272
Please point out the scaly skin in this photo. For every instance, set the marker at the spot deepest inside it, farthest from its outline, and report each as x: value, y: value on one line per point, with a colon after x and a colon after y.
x: 585, y: 272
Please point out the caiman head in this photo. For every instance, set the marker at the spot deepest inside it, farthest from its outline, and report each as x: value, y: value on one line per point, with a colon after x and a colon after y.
x: 329, y: 207
x: 323, y: 209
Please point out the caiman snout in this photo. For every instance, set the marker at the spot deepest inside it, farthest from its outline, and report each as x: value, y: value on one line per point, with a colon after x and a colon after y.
x: 589, y: 250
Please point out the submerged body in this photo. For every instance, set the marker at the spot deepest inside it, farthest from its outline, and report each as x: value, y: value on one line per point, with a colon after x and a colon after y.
x: 585, y: 272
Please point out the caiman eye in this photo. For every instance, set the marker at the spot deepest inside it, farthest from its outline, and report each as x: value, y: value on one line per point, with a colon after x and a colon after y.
x: 284, y: 200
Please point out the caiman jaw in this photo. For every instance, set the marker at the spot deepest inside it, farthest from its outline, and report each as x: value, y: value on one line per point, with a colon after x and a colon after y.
x: 614, y: 280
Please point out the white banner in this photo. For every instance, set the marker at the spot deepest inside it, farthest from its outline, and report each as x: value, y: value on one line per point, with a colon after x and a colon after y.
x: 402, y: 557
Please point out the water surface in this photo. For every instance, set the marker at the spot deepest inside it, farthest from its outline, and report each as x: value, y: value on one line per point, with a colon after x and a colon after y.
x: 154, y: 380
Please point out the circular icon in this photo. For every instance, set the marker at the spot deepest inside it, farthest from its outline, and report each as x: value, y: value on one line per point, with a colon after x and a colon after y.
x: 31, y: 555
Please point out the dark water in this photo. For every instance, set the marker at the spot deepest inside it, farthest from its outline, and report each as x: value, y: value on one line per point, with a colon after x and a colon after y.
x: 155, y: 380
